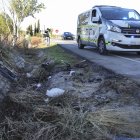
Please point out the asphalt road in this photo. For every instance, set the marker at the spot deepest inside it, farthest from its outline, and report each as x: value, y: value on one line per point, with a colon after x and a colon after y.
x: 124, y: 63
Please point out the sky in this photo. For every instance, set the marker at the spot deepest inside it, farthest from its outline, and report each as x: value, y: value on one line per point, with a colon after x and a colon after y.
x: 62, y: 14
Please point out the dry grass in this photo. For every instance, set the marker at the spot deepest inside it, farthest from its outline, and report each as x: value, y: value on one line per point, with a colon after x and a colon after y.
x: 24, y: 114
x: 7, y: 53
x: 119, y: 121
x: 27, y: 97
x: 35, y: 41
x: 27, y: 117
x: 59, y: 119
x: 27, y: 130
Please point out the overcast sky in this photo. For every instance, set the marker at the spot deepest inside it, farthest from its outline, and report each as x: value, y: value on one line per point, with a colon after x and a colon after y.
x: 62, y: 14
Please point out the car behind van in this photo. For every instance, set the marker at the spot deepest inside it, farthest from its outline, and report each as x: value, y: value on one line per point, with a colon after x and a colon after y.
x: 67, y: 36
x: 109, y: 28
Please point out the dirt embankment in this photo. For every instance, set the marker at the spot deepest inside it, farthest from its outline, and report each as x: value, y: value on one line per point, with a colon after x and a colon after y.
x: 96, y: 104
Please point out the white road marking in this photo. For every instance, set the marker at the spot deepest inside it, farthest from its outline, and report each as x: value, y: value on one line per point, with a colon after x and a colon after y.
x: 127, y: 58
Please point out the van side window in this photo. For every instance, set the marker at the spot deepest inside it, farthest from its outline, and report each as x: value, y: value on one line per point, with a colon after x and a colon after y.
x: 84, y: 18
x: 94, y: 13
x: 95, y: 18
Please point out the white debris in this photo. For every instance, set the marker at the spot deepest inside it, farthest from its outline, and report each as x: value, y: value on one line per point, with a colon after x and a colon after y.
x: 46, y: 100
x: 28, y: 75
x: 38, y: 85
x: 49, y: 77
x: 54, y: 92
x: 72, y: 72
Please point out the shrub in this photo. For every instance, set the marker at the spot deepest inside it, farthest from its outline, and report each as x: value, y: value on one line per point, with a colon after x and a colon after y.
x: 35, y: 41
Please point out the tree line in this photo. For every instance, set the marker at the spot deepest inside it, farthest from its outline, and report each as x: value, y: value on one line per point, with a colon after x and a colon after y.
x: 34, y: 30
x: 13, y: 13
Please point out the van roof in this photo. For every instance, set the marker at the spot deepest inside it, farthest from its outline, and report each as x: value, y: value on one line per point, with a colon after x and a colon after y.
x: 108, y: 6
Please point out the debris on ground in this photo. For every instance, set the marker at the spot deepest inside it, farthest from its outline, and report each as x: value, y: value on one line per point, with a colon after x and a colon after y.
x: 83, y: 100
x: 54, y: 92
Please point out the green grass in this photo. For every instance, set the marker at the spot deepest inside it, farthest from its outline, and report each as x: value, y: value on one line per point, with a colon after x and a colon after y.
x: 58, y: 54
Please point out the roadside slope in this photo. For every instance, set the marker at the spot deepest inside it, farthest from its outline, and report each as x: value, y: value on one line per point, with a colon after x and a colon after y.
x: 96, y: 103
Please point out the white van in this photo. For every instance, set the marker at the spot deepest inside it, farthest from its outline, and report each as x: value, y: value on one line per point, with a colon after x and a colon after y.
x: 109, y: 28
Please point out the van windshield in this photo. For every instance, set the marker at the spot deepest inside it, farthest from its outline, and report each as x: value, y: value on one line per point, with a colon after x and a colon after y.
x: 116, y: 13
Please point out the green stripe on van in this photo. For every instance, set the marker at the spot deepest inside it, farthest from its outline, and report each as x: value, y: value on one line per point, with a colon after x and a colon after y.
x: 88, y: 26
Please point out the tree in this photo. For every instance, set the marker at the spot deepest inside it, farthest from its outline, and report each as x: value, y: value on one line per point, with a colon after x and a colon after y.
x: 35, y: 29
x: 38, y: 27
x: 5, y: 24
x: 30, y: 30
x: 20, y: 9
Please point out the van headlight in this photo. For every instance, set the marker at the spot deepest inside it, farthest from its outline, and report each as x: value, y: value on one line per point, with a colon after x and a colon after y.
x: 113, y: 28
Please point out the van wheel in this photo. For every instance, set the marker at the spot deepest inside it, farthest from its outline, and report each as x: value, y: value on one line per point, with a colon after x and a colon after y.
x: 102, y: 46
x: 80, y: 45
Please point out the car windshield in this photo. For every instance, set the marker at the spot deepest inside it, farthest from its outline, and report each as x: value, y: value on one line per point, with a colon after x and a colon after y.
x: 119, y: 13
x: 67, y: 33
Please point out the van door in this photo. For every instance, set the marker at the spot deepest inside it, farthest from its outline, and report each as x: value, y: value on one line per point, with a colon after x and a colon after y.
x: 94, y: 27
x: 83, y: 29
